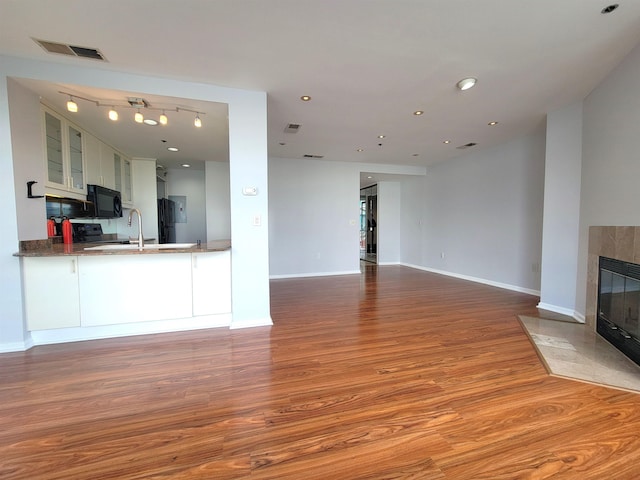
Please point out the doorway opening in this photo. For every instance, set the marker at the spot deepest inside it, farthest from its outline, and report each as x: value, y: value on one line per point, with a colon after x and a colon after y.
x: 369, y: 224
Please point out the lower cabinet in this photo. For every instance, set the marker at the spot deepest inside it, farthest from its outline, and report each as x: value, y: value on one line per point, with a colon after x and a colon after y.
x: 134, y: 288
x: 211, y: 283
x: 51, y: 292
x: 93, y: 290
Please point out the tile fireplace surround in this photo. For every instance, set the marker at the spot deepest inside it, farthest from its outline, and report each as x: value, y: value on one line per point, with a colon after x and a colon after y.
x: 621, y: 243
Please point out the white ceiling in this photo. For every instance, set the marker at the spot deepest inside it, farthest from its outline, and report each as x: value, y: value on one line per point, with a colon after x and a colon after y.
x: 367, y: 64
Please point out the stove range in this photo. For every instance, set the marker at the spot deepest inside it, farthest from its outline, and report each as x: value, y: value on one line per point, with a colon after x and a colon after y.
x: 87, y: 232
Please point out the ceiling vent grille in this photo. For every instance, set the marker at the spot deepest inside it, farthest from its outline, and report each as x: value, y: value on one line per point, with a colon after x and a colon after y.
x: 467, y: 145
x: 292, y: 127
x: 70, y: 50
x: 306, y: 155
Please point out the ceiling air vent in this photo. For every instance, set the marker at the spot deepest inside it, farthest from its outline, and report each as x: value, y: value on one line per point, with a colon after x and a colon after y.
x: 306, y: 155
x: 467, y: 145
x: 292, y: 128
x: 71, y: 50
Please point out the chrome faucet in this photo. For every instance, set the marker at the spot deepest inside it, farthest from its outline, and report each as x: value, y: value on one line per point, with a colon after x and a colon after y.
x: 140, y: 238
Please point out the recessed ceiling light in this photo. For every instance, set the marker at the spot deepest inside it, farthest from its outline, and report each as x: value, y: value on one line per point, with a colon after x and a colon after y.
x: 609, y: 8
x: 466, y: 83
x: 446, y: 141
x: 369, y: 177
x: 380, y: 136
x: 305, y: 98
x: 418, y: 112
x: 360, y: 150
x: 491, y: 124
x: 150, y: 121
x: 186, y: 165
x: 173, y: 149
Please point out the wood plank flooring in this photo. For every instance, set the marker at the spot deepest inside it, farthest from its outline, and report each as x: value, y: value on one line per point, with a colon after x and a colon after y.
x: 393, y: 374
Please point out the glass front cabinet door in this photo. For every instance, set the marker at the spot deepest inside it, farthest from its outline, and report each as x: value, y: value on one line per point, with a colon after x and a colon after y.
x: 64, y: 147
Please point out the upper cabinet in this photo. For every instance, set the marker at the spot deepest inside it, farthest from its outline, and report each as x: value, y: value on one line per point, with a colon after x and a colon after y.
x: 123, y: 180
x: 65, y: 159
x: 75, y: 158
x: 100, y: 164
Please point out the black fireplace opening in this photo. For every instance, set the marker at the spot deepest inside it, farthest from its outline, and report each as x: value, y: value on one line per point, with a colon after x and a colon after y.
x: 619, y: 305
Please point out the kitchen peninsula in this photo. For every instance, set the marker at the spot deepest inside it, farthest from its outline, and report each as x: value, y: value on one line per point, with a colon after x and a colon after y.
x: 73, y: 292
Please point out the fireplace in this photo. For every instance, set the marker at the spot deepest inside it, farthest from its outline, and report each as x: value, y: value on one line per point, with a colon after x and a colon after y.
x: 618, y: 311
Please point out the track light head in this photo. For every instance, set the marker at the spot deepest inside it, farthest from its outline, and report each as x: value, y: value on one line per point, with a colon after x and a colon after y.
x: 71, y: 105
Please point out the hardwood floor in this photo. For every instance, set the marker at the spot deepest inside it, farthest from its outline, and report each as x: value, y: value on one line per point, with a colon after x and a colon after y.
x: 394, y: 374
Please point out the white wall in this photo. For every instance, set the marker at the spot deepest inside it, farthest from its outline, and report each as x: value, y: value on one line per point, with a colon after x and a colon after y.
x: 218, y: 208
x: 144, y: 198
x: 13, y: 335
x: 483, y: 211
x: 388, y: 225
x: 190, y: 184
x: 314, y: 212
x: 610, y: 159
x: 315, y: 215
x: 561, y: 210
x: 413, y: 237
x: 28, y: 160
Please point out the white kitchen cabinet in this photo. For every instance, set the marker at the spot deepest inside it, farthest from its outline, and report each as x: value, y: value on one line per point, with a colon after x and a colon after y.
x: 51, y: 292
x: 102, y: 163
x: 123, y: 178
x: 211, y: 273
x: 64, y: 149
x: 92, y: 156
x: 134, y: 288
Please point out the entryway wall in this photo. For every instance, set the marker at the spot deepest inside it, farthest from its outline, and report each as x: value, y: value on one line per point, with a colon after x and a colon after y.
x: 389, y: 213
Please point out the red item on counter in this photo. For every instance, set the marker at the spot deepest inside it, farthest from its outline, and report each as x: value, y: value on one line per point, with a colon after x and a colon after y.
x: 67, y: 231
x: 51, y: 228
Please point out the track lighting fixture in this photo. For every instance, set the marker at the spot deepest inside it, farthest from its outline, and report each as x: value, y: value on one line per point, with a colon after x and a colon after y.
x: 71, y: 105
x: 139, y: 104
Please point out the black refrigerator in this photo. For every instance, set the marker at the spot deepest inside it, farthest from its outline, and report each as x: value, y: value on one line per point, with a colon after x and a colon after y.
x: 166, y: 220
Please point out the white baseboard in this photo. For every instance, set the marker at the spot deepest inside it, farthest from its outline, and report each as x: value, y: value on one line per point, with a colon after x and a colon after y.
x: 16, y: 346
x: 562, y: 311
x: 77, y: 334
x: 314, y: 274
x: 506, y: 286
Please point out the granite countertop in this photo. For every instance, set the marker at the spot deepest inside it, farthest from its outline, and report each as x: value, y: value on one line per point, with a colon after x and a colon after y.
x: 47, y: 248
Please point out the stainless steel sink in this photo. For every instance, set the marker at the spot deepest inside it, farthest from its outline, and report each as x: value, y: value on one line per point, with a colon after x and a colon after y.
x: 151, y: 246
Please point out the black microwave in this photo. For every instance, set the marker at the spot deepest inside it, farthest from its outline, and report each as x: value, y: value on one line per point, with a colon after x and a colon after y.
x: 107, y: 203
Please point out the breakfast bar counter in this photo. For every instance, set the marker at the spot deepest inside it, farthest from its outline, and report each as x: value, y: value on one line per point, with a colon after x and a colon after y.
x: 47, y: 248
x: 82, y: 291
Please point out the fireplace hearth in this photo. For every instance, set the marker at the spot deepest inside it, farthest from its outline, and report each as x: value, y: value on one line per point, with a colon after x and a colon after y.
x: 618, y: 310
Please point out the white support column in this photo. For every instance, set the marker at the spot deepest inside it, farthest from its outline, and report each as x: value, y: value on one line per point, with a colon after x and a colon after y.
x: 560, y: 233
